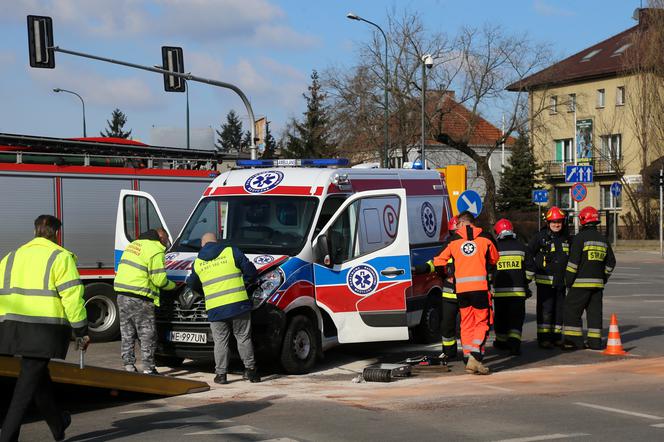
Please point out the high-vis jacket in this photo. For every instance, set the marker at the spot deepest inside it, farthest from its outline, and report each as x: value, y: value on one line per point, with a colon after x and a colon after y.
x: 446, y: 273
x: 141, y: 271
x: 514, y: 270
x: 222, y: 281
x: 41, y: 297
x: 591, y: 260
x: 472, y: 250
x: 549, y: 250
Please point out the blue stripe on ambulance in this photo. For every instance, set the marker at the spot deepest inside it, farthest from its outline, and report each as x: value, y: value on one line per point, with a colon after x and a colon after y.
x: 399, y: 262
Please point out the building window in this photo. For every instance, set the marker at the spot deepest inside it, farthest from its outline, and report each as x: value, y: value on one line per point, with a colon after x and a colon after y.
x: 553, y: 104
x: 562, y: 198
x: 564, y: 150
x: 620, y: 95
x: 611, y: 149
x: 600, y: 97
x: 607, y: 200
x: 571, y: 104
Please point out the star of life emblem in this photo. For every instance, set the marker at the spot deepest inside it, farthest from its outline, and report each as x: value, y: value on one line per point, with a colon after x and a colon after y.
x: 263, y: 181
x: 362, y: 279
x: 468, y: 248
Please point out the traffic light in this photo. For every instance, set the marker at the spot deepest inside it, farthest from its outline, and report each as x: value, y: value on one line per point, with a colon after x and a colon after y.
x: 173, y: 61
x: 40, y: 42
x: 655, y: 180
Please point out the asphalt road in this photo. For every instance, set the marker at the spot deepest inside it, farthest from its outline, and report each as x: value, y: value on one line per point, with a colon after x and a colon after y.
x: 542, y: 395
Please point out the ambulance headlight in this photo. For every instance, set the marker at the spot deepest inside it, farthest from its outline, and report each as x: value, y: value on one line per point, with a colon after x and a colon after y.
x: 267, y: 286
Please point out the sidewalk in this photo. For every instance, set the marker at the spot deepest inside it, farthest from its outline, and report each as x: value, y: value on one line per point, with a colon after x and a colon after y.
x: 637, y: 245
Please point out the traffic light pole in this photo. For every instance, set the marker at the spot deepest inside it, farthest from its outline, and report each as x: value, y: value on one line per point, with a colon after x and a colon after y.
x: 187, y: 76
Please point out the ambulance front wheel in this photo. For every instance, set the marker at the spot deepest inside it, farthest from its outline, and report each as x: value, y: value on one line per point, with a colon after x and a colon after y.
x: 300, y: 347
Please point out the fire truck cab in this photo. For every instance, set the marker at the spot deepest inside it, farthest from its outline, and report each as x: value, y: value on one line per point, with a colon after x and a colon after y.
x: 334, y: 249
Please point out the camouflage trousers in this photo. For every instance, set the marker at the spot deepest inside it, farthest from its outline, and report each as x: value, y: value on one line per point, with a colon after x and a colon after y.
x: 137, y: 322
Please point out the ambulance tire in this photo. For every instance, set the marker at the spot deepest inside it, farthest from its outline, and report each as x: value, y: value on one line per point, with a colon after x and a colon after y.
x: 103, y: 313
x: 428, y: 331
x: 300, y: 346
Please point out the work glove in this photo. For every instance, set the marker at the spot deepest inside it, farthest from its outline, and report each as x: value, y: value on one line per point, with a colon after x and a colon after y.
x: 420, y: 269
x: 529, y: 293
x: 82, y: 343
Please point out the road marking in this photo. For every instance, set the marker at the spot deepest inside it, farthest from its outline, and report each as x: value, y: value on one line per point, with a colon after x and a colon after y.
x: 281, y: 439
x: 658, y: 425
x: 495, y: 387
x: 629, y: 283
x: 653, y: 300
x: 167, y: 409
x: 545, y: 437
x: 238, y: 429
x: 616, y: 410
x: 651, y: 317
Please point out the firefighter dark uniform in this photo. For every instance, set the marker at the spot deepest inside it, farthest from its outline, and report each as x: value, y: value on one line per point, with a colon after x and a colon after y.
x: 449, y: 306
x: 514, y: 271
x: 590, y: 264
x: 471, y: 250
x: 140, y: 277
x: 549, y: 249
x: 41, y: 300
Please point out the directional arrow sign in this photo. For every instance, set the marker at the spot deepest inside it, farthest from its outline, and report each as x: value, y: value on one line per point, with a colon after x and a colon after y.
x: 470, y: 201
x: 578, y: 174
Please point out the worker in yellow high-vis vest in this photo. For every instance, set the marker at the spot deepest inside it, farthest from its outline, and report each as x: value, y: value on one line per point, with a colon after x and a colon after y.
x: 41, y: 300
x: 220, y: 272
x: 140, y: 278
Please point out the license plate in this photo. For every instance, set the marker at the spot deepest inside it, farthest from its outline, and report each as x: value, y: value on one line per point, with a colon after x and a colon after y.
x: 182, y: 336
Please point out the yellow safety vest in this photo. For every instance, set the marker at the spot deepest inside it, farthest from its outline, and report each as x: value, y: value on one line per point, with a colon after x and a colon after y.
x: 39, y: 284
x: 221, y: 280
x: 141, y: 270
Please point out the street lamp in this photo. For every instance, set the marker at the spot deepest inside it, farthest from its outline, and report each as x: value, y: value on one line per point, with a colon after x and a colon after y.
x: 427, y: 63
x: 352, y: 16
x: 57, y: 89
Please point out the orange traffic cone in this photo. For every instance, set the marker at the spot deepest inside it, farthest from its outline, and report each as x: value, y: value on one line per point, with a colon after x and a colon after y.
x: 613, y: 344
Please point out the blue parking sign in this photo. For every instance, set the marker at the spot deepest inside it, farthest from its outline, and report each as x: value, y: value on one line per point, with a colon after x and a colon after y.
x: 540, y: 196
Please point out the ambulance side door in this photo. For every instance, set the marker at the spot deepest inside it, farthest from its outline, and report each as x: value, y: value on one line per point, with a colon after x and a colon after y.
x: 137, y: 213
x: 362, y: 267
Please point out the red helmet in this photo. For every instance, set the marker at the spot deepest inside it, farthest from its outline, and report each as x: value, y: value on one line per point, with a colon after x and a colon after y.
x: 554, y: 214
x: 453, y: 224
x: 588, y: 215
x: 503, y: 225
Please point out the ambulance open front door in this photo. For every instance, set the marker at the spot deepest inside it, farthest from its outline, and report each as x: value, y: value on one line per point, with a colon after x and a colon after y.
x: 138, y: 212
x: 362, y: 267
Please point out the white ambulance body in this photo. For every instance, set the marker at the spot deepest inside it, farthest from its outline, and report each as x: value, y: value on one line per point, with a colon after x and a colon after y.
x: 334, y: 249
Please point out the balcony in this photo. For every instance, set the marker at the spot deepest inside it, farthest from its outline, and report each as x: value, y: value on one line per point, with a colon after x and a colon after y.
x: 556, y: 169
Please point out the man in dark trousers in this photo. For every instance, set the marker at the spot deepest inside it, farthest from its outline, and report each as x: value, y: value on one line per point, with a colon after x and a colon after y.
x: 220, y: 272
x: 549, y: 247
x: 41, y: 300
x: 514, y: 271
x: 591, y: 261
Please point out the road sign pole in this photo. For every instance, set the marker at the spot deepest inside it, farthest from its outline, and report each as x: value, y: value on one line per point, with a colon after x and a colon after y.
x: 539, y: 217
x: 661, y: 245
x: 615, y: 227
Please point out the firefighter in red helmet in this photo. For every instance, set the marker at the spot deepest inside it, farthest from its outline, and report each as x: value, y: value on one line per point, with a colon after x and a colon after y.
x: 591, y: 261
x: 514, y: 271
x: 549, y: 248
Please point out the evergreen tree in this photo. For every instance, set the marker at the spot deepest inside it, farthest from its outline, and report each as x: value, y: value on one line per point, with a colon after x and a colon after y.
x: 311, y: 137
x: 270, y: 143
x: 116, y: 125
x: 230, y: 137
x: 246, y: 141
x: 519, y: 178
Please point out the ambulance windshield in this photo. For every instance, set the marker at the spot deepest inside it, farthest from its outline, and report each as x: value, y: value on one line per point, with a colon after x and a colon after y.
x: 277, y: 225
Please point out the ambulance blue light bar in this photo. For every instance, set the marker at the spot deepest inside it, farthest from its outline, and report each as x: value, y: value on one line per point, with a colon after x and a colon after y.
x: 316, y: 162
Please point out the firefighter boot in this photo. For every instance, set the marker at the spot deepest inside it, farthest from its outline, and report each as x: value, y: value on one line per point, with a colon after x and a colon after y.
x: 476, y: 367
x: 514, y: 347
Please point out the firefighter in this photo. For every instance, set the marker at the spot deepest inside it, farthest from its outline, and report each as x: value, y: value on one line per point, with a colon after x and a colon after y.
x: 591, y: 261
x: 140, y: 277
x: 220, y: 272
x: 514, y: 271
x: 472, y: 250
x: 549, y: 248
x: 41, y: 300
x: 449, y: 306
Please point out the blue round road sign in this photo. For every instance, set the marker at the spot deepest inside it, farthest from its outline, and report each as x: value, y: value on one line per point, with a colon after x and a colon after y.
x: 470, y: 201
x: 579, y: 192
x: 616, y: 189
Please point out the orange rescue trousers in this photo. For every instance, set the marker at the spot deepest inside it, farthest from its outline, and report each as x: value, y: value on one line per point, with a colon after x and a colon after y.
x: 474, y: 309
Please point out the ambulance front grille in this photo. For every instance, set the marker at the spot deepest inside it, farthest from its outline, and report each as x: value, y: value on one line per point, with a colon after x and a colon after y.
x: 188, y: 306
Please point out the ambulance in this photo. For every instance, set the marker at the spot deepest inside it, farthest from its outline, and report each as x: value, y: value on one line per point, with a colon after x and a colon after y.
x: 334, y: 248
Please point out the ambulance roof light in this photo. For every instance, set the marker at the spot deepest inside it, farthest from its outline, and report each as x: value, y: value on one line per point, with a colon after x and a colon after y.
x: 316, y: 162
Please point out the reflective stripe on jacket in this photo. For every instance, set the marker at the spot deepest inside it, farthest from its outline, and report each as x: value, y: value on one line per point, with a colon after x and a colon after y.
x: 41, y: 296
x: 221, y: 280
x: 141, y: 270
x: 514, y: 270
x: 591, y: 260
x: 471, y: 250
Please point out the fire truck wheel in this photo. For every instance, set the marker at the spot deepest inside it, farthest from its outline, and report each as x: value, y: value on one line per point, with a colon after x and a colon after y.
x: 429, y: 329
x: 103, y: 313
x: 298, y: 353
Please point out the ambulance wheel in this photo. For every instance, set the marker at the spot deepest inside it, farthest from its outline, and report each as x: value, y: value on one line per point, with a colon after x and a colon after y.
x: 429, y: 329
x: 298, y: 353
x: 103, y: 313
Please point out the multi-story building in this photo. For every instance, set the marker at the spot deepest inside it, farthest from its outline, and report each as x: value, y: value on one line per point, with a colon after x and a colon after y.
x: 589, y: 109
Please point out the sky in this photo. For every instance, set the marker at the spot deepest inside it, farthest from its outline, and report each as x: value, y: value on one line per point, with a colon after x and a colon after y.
x: 268, y: 48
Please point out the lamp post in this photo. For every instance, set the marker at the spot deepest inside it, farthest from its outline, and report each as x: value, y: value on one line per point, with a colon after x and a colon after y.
x: 427, y: 63
x: 352, y: 16
x: 186, y: 88
x: 57, y: 89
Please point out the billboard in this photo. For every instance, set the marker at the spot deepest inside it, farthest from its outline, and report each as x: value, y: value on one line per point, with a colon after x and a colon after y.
x: 584, y: 140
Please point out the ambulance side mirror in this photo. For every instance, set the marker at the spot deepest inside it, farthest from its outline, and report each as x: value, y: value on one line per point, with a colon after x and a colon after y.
x: 322, y: 251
